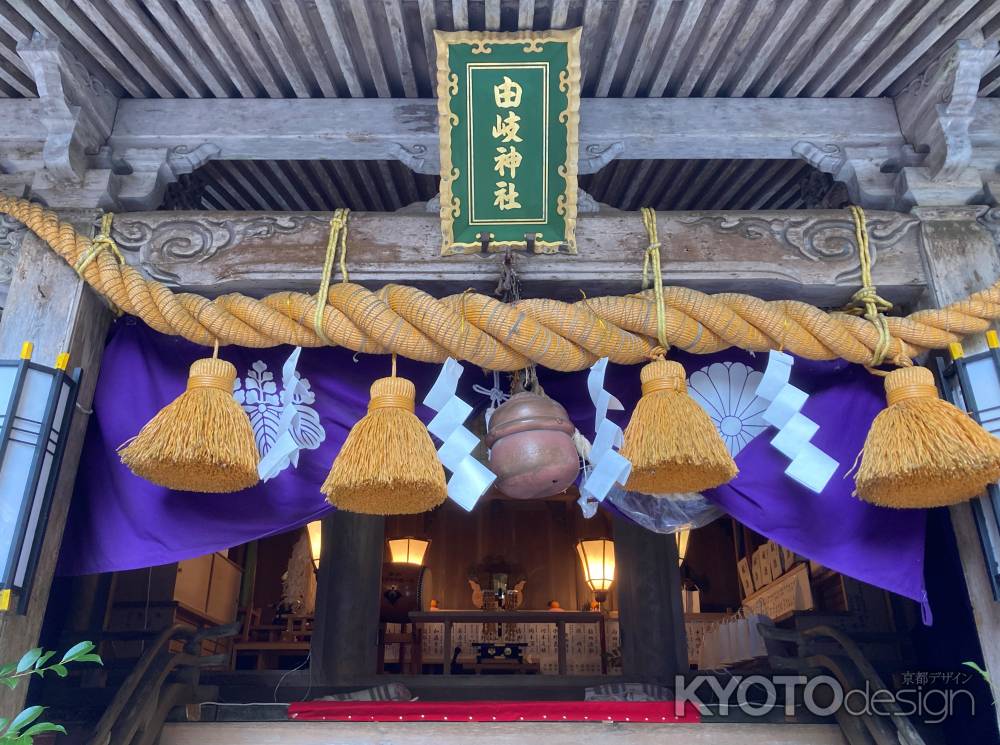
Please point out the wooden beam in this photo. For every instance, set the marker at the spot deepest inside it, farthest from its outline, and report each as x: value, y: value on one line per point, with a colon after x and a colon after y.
x: 52, y: 307
x: 406, y: 129
x: 809, y: 256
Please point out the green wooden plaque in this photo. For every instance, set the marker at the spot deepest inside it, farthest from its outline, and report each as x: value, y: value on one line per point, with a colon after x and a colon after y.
x: 509, y: 109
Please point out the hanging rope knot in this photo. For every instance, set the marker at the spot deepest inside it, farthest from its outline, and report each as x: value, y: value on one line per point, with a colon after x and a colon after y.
x: 866, y: 302
x: 101, y: 242
x: 337, y: 242
x: 652, y: 260
x: 868, y: 296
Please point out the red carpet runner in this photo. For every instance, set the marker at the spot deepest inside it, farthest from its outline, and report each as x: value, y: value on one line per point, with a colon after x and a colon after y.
x: 653, y: 712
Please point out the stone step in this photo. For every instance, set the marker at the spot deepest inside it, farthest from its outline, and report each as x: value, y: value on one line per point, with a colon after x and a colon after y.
x: 513, y: 733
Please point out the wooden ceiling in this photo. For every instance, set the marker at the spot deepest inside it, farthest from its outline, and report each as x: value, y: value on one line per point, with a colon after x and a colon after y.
x: 341, y: 48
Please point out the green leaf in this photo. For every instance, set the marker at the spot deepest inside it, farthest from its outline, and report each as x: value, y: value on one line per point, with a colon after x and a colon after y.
x: 29, y: 659
x: 77, y: 650
x: 46, y: 656
x: 90, y: 658
x: 25, y: 718
x: 7, y: 669
x: 59, y: 670
x: 985, y: 675
x: 37, y: 729
x: 9, y: 682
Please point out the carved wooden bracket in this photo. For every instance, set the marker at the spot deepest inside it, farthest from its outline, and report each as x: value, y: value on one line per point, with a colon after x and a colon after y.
x: 936, y: 109
x: 78, y: 111
x: 936, y: 163
x: 936, y: 112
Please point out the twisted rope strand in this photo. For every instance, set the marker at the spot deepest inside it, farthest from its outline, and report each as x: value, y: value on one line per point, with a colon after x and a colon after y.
x: 497, y: 336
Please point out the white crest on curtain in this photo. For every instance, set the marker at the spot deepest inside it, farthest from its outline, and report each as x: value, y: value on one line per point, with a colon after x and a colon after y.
x: 727, y: 391
x: 260, y: 397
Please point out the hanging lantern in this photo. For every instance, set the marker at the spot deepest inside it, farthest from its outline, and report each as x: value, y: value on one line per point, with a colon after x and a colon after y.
x: 598, y: 560
x: 408, y: 550
x: 671, y: 442
x: 37, y: 409
x: 202, y: 441
x: 531, y: 446
x: 315, y: 530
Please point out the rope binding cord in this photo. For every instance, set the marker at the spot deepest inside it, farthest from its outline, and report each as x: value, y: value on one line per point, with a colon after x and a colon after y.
x: 866, y: 301
x: 101, y: 242
x: 652, y: 259
x: 499, y: 336
x: 336, y: 242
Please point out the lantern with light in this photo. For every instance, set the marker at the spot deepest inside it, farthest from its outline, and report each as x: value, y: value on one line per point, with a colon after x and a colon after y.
x: 408, y: 550
x: 37, y: 408
x: 406, y: 582
x: 315, y: 530
x: 598, y: 560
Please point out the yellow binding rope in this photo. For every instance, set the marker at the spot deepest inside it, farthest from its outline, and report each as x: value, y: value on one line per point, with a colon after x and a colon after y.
x: 101, y: 242
x: 652, y: 259
x: 866, y: 301
x: 336, y: 242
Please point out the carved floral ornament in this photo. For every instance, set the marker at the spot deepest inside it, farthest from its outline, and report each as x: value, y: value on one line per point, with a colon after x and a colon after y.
x: 818, y: 238
x: 161, y: 243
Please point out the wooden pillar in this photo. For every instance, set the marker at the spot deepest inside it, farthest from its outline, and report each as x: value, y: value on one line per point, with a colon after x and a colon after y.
x: 345, y: 639
x: 961, y: 257
x: 653, y: 642
x: 49, y: 305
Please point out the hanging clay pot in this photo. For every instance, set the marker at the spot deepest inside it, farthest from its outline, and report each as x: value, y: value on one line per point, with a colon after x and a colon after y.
x: 531, y: 446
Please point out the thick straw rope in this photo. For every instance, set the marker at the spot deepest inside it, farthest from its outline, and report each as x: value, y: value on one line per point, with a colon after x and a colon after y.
x: 497, y: 336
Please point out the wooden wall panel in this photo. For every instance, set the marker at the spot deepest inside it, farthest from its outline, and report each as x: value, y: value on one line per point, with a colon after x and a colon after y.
x: 540, y: 536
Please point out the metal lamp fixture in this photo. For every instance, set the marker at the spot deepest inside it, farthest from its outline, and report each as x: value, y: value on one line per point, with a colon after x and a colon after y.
x: 598, y: 560
x: 408, y: 550
x: 315, y: 529
x: 37, y: 408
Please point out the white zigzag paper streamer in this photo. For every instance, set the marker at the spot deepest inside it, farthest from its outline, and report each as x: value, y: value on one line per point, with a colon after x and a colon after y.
x: 608, y: 466
x: 810, y: 466
x: 469, y: 478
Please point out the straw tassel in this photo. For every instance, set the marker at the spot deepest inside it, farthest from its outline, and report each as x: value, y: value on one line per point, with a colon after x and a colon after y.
x: 202, y: 441
x: 922, y: 451
x: 388, y: 464
x: 671, y: 442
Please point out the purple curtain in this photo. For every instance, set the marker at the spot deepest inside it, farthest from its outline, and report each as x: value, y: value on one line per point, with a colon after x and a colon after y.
x: 118, y: 521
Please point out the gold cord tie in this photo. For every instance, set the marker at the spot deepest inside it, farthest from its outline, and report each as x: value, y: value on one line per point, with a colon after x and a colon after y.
x: 652, y: 259
x: 336, y: 242
x: 866, y: 301
x: 101, y: 242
